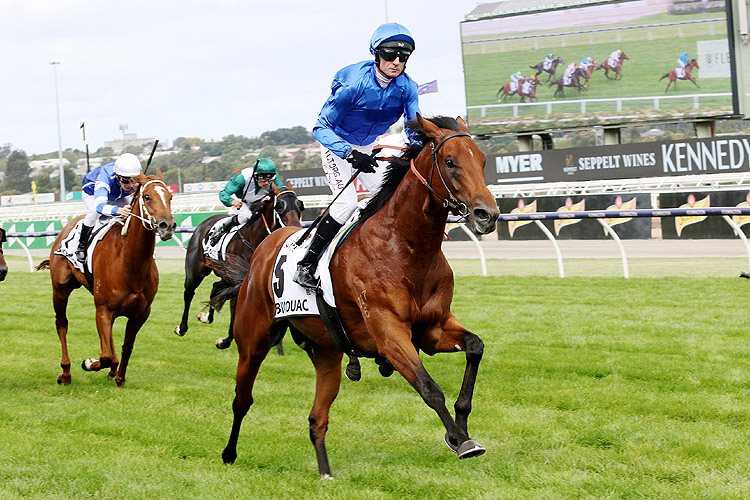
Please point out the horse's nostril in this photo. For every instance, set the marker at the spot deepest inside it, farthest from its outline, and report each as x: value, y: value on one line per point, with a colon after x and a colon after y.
x: 482, y: 215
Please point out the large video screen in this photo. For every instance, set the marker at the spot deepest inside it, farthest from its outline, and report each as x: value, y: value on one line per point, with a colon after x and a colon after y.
x: 598, y: 65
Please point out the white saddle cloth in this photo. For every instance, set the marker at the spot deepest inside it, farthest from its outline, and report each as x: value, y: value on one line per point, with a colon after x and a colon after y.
x: 218, y: 251
x: 69, y: 244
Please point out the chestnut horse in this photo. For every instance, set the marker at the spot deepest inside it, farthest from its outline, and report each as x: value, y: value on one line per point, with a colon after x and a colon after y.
x: 576, y: 81
x: 392, y: 283
x: 125, y: 277
x: 286, y: 205
x: 688, y: 75
x: 617, y: 69
x: 3, y: 265
x: 532, y: 82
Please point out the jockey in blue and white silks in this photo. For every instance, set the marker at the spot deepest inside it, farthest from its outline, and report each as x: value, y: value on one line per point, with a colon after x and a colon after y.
x: 366, y: 99
x: 107, y: 191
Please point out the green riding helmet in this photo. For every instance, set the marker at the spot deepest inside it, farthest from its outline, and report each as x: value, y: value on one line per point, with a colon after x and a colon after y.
x: 265, y: 166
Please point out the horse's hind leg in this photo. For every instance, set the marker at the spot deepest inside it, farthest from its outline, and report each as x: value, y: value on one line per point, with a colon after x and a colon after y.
x: 60, y: 303
x: 225, y: 342
x: 131, y: 330
x: 253, y: 347
x: 327, y: 382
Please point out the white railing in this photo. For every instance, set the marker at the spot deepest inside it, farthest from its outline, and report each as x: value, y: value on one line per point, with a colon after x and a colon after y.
x: 582, y: 102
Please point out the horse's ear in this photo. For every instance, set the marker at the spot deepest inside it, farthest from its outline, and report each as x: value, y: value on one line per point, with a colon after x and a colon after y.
x: 428, y: 127
x: 289, y: 184
x: 159, y: 174
x: 275, y: 188
x: 462, y: 124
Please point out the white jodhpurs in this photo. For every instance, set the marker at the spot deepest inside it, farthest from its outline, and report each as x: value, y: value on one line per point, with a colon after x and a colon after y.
x: 338, y: 172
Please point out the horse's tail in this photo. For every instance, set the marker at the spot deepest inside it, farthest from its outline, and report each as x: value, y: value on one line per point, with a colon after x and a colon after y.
x: 534, y: 67
x: 664, y: 76
x: 43, y: 265
x: 233, y: 271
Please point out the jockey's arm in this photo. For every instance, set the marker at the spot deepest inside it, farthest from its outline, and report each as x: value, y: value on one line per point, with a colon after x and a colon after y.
x: 338, y: 104
x: 235, y: 187
x: 101, y: 199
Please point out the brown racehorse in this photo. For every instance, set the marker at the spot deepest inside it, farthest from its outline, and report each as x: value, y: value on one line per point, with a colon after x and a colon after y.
x: 672, y: 75
x: 575, y: 82
x: 589, y: 71
x: 392, y: 283
x: 197, y: 265
x: 539, y: 67
x: 531, y: 94
x: 125, y: 277
x: 3, y: 265
x: 617, y: 69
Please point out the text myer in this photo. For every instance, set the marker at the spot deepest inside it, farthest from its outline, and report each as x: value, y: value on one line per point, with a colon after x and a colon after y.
x: 731, y: 154
x: 518, y: 163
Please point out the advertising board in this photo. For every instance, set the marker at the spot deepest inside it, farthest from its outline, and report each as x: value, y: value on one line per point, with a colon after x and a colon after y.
x: 634, y: 75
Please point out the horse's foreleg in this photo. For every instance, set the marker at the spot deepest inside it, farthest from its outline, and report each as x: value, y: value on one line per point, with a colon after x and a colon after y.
x: 60, y: 303
x: 404, y: 357
x: 131, y: 330
x: 695, y: 83
x: 327, y: 382
x: 253, y: 348
x: 104, y: 322
x: 452, y: 337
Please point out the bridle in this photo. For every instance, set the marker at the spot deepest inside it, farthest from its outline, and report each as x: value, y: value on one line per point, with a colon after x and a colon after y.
x: 451, y: 202
x: 148, y: 220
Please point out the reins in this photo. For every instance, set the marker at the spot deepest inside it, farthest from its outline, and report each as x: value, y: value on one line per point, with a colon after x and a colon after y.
x: 451, y: 202
x: 149, y: 222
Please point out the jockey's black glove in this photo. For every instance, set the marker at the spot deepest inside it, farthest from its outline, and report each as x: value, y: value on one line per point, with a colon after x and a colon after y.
x: 362, y: 162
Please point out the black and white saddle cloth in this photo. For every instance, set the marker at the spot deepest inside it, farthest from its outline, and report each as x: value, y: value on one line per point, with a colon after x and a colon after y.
x: 69, y: 244
x: 219, y: 250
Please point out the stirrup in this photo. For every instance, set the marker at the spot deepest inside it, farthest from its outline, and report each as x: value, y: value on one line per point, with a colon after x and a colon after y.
x: 214, y: 238
x: 305, y: 275
x: 81, y: 255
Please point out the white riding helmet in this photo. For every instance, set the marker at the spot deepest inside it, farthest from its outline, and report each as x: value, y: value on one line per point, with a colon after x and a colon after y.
x: 127, y: 165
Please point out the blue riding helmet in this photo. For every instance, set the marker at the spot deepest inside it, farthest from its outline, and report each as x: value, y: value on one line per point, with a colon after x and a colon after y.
x: 390, y: 32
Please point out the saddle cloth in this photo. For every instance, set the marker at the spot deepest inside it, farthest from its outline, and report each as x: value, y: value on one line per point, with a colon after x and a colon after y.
x: 546, y: 65
x: 612, y: 63
x: 679, y: 72
x: 513, y: 86
x: 219, y: 251
x: 69, y: 244
x: 292, y: 299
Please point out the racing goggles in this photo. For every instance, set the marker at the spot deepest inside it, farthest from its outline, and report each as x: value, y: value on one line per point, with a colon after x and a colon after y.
x: 124, y: 180
x: 265, y: 177
x: 391, y: 54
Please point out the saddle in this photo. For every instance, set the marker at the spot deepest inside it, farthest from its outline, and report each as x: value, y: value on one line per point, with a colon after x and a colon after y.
x: 69, y: 244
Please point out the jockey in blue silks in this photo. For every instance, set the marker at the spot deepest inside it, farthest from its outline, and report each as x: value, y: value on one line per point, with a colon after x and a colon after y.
x: 107, y: 190
x: 366, y: 99
x: 683, y: 60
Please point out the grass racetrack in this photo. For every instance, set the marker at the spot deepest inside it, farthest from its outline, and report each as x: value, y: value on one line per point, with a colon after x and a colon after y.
x: 591, y: 387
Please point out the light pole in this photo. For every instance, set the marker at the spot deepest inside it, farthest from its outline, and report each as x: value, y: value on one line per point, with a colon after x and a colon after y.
x: 59, y: 134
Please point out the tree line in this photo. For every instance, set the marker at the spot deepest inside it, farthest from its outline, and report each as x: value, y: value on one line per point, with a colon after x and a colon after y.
x: 189, y: 160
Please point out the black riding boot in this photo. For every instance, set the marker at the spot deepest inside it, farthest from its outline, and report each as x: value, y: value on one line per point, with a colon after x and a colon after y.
x: 225, y: 227
x: 326, y: 231
x: 83, y: 242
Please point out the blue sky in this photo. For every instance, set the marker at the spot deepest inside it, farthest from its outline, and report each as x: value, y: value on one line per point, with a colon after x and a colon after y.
x: 198, y: 68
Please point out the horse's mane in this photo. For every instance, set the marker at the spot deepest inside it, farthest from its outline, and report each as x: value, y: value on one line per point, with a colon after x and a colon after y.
x: 398, y: 167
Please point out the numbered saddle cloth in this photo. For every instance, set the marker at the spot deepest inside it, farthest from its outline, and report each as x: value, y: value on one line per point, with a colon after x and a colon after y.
x: 290, y: 298
x: 69, y: 244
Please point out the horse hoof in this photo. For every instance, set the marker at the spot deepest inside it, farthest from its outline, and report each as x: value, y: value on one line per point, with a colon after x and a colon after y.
x: 86, y: 364
x: 229, y: 456
x: 353, y: 372
x: 62, y: 380
x: 223, y: 342
x: 450, y: 445
x: 179, y: 332
x: 470, y: 448
x: 386, y: 369
x: 204, y: 317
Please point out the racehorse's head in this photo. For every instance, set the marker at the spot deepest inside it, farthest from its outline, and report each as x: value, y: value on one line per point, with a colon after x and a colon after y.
x: 460, y: 167
x: 623, y: 56
x: 288, y: 206
x: 693, y: 63
x: 3, y: 265
x: 155, y: 203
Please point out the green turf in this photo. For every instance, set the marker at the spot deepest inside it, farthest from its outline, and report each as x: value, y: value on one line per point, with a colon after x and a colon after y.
x: 590, y: 387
